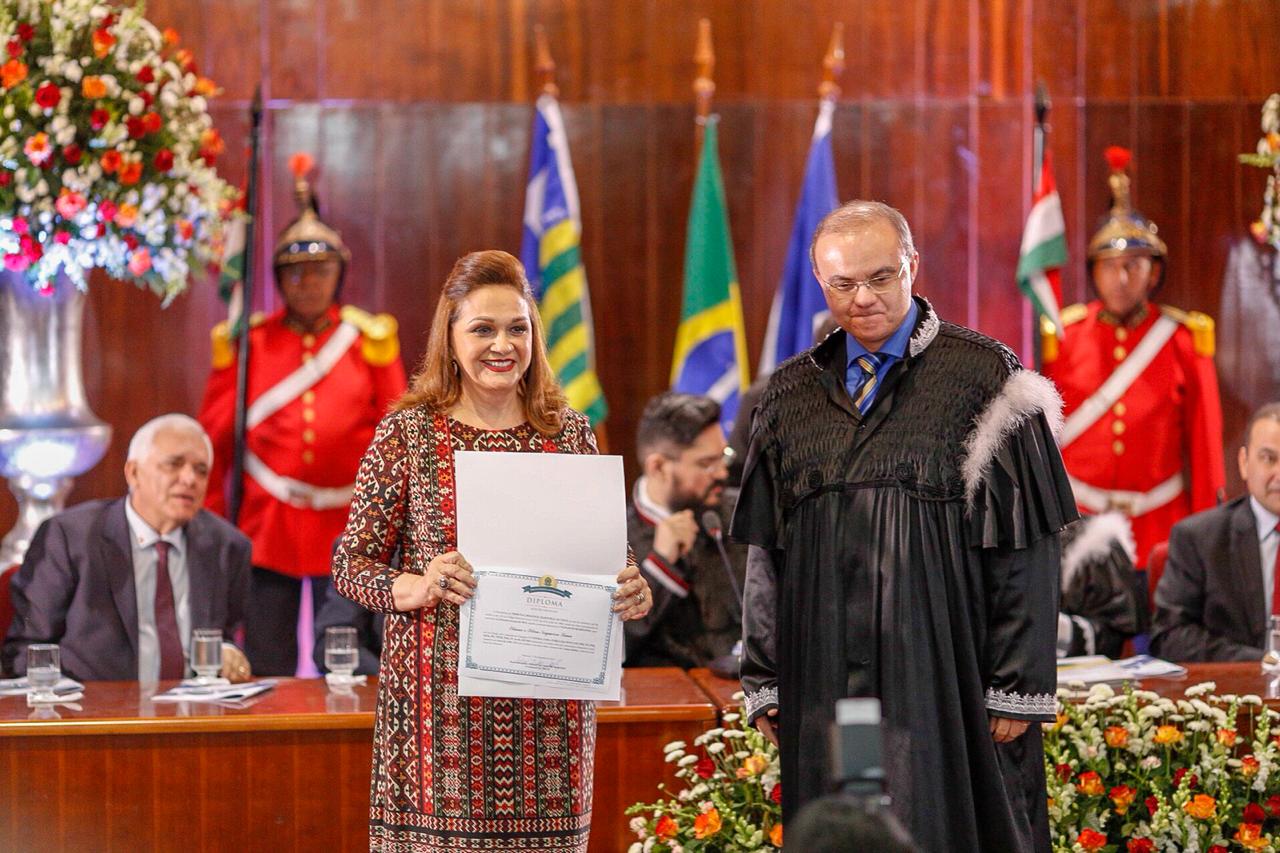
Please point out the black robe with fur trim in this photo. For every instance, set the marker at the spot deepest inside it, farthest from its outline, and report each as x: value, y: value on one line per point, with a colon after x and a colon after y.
x: 910, y: 555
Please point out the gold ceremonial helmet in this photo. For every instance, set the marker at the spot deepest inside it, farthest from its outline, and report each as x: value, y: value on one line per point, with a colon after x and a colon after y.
x: 307, y: 238
x: 1125, y: 231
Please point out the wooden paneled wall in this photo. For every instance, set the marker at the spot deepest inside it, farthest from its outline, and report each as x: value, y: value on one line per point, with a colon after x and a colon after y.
x: 419, y: 113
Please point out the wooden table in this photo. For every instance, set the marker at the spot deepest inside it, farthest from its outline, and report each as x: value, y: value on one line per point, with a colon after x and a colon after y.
x: 288, y: 772
x: 1237, y: 678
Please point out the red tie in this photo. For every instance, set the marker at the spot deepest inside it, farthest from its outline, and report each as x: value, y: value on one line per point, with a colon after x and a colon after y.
x: 171, y: 665
x: 1275, y: 580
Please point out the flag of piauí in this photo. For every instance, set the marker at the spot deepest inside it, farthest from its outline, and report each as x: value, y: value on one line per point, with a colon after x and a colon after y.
x: 798, y: 306
x: 553, y: 262
x: 1044, y: 249
x: 711, y: 345
x: 231, y: 280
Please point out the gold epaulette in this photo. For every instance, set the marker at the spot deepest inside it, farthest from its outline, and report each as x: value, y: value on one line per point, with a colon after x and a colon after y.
x: 1199, y: 324
x: 224, y: 351
x: 1048, y: 340
x: 1073, y: 314
x: 380, y: 345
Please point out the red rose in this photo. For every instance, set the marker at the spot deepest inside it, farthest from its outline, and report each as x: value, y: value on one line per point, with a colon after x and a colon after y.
x: 130, y: 241
x: 1273, y: 801
x: 146, y: 75
x: 1217, y: 848
x: 14, y: 47
x: 147, y: 98
x: 705, y: 768
x: 72, y: 154
x: 98, y: 119
x: 137, y: 129
x: 152, y: 122
x: 62, y: 237
x: 107, y: 210
x: 1141, y: 845
x: 26, y: 32
x: 1064, y: 771
x: 6, y: 178
x: 1177, y: 778
x: 1152, y: 804
x: 164, y: 160
x: 108, y: 21
x: 1253, y: 813
x: 776, y: 793
x: 48, y: 96
x: 1092, y: 840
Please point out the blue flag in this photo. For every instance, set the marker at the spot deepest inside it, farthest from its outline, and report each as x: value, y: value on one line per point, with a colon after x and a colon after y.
x: 798, y: 306
x: 553, y: 262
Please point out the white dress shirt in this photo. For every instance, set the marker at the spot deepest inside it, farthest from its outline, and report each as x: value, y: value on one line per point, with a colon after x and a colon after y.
x: 143, y: 539
x: 1268, y: 543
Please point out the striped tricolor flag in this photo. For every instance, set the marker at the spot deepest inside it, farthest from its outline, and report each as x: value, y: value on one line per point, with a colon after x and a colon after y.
x: 1044, y: 249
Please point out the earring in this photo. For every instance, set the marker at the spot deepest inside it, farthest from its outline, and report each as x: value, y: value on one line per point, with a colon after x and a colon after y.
x: 457, y: 370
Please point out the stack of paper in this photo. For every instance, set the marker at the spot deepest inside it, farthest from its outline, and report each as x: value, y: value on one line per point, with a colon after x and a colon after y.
x: 1092, y: 669
x: 187, y: 692
x: 20, y: 686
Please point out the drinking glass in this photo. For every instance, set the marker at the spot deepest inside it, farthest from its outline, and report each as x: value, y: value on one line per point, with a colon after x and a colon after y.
x: 1271, y: 660
x: 206, y: 654
x: 340, y: 652
x: 44, y: 670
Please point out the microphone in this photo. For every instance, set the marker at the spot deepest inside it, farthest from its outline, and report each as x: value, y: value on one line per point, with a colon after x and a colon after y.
x: 711, y: 524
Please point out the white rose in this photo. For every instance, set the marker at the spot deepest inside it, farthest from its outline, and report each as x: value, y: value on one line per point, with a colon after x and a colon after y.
x: 72, y: 71
x: 136, y: 106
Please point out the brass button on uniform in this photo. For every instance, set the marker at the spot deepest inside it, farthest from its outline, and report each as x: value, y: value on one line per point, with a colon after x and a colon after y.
x: 308, y: 456
x: 308, y: 415
x: 1117, y: 447
x: 1119, y: 410
x: 306, y: 356
x: 1119, y: 353
x: 309, y: 341
x: 309, y: 397
x: 1122, y: 334
x: 309, y: 436
x: 1118, y: 427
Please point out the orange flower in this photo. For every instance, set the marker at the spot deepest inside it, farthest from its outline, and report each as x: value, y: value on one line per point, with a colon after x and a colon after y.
x: 170, y: 36
x: 753, y: 765
x: 1227, y: 737
x: 12, y: 73
x: 1273, y: 141
x: 775, y: 835
x: 1116, y: 736
x: 131, y: 172
x: 205, y: 86
x: 1201, y: 806
x: 38, y: 149
x: 93, y: 87
x: 1090, y: 784
x: 1248, y: 765
x: 665, y: 828
x: 1092, y: 840
x: 1250, y: 836
x: 103, y: 41
x: 1122, y: 796
x: 1168, y: 734
x: 706, y: 824
x: 126, y: 215
x: 110, y: 161
x: 1059, y: 721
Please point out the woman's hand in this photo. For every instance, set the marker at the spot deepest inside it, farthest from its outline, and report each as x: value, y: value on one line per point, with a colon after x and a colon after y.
x: 632, y: 599
x: 448, y: 578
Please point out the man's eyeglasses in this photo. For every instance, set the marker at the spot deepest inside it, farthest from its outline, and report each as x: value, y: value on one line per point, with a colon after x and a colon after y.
x: 877, y: 284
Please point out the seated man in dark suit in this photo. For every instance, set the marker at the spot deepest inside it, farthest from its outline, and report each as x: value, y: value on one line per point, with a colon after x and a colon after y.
x: 697, y: 605
x: 1219, y: 584
x: 121, y: 584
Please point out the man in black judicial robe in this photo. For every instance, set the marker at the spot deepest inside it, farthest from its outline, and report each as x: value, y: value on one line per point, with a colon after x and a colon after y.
x: 902, y: 496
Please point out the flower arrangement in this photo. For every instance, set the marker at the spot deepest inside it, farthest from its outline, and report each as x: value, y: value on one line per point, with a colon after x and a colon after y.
x: 732, y: 800
x: 107, y: 159
x: 1267, y: 156
x: 1137, y: 773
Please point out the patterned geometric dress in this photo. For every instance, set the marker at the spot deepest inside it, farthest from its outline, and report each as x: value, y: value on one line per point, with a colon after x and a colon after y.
x: 450, y: 773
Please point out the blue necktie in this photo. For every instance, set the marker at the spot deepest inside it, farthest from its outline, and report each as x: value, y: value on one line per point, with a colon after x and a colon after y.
x: 867, y: 392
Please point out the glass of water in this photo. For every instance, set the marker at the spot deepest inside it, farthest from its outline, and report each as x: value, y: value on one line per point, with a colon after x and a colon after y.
x: 340, y: 652
x: 206, y: 654
x: 44, y: 670
x: 1271, y: 660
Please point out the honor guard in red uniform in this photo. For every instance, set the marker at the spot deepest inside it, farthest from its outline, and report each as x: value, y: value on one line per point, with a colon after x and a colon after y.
x: 1143, y: 431
x: 321, y: 376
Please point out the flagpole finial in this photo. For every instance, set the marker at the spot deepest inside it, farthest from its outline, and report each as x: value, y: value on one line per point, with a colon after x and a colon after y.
x: 543, y: 63
x: 705, y: 57
x: 1043, y: 103
x: 833, y: 64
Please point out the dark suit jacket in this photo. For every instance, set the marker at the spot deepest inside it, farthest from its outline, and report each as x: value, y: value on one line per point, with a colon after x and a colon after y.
x: 1209, y: 602
x: 338, y: 610
x: 76, y: 588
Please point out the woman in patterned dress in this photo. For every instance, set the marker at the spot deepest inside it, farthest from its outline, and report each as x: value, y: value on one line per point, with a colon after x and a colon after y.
x: 457, y: 773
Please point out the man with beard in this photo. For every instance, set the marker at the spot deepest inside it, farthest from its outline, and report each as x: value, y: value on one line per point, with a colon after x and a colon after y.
x: 697, y: 607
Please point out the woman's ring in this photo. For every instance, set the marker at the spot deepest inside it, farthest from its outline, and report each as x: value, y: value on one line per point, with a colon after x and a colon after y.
x: 444, y: 582
x: 640, y: 597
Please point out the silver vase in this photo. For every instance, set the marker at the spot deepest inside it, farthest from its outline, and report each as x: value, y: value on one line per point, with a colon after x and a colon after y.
x: 48, y: 435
